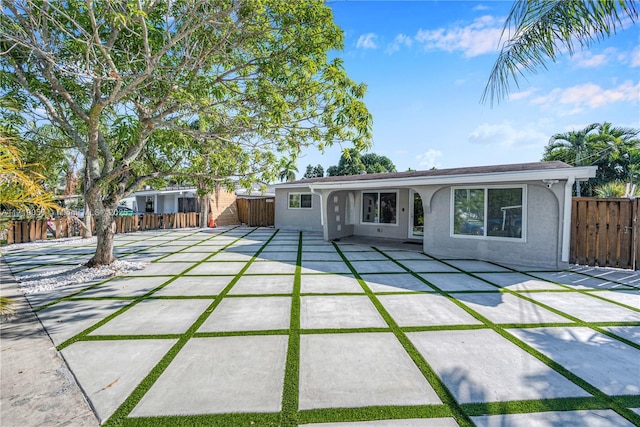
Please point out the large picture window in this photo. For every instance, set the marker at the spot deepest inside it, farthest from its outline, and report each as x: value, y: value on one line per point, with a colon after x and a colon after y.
x: 378, y: 207
x: 488, y: 212
x: 299, y: 200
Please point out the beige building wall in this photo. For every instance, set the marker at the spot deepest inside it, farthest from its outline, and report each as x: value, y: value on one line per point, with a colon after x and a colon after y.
x: 223, y: 208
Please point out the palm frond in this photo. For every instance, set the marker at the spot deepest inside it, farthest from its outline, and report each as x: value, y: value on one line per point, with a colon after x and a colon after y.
x: 537, y: 31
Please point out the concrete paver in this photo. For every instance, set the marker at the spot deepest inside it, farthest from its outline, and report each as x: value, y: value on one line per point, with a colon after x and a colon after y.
x: 452, y: 282
x: 586, y: 307
x: 425, y: 310
x: 593, y: 418
x: 220, y: 267
x: 354, y: 370
x: 162, y: 269
x: 260, y: 285
x: 68, y: 318
x: 327, y: 284
x: 249, y: 314
x: 395, y: 283
x: 195, y: 286
x: 519, y: 282
x: 506, y: 308
x: 110, y: 370
x: 155, y: 317
x: 331, y: 312
x: 271, y: 267
x: 482, y: 366
x: 126, y: 287
x: 610, y: 365
x: 220, y: 375
x: 631, y: 333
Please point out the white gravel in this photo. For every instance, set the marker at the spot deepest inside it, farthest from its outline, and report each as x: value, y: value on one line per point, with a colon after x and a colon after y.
x: 73, y: 274
x: 67, y: 241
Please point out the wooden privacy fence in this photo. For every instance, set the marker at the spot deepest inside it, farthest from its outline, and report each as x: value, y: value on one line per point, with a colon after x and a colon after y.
x: 32, y: 230
x: 604, y: 232
x: 256, y: 212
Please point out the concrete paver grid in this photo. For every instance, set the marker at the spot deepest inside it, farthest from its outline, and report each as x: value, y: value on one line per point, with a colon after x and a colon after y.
x: 354, y: 371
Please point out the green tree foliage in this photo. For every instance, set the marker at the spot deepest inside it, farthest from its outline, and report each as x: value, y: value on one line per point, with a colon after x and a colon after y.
x: 124, y: 81
x: 314, y: 171
x: 614, y: 150
x: 353, y: 163
x: 538, y: 31
x: 374, y: 163
x: 288, y: 171
x: 21, y: 184
x: 617, y: 189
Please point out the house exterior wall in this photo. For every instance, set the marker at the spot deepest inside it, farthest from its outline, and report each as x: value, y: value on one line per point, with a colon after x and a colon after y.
x: 400, y: 230
x: 297, y: 219
x: 543, y: 228
x: 340, y: 205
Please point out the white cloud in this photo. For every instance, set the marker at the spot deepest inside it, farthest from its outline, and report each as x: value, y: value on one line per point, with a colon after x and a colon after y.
x: 506, y: 135
x: 367, y: 41
x: 589, y: 95
x: 522, y: 94
x: 480, y: 7
x: 428, y: 159
x: 401, y: 40
x: 480, y: 37
x: 635, y: 57
x: 590, y: 60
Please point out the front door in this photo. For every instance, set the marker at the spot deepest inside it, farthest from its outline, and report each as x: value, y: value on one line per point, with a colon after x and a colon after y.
x: 416, y: 216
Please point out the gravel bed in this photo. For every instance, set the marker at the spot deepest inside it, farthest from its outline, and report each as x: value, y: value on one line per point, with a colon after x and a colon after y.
x: 74, y: 274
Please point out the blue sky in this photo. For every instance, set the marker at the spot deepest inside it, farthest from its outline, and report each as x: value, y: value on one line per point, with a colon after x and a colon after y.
x: 426, y: 64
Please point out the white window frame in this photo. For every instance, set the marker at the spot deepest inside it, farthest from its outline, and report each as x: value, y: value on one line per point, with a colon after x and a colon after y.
x: 486, y: 188
x: 299, y: 194
x: 387, y: 224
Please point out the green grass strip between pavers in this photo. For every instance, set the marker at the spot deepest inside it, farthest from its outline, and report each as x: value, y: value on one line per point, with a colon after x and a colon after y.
x: 290, y: 391
x: 74, y: 294
x: 119, y: 417
x: 84, y: 333
x: 532, y: 406
x: 600, y: 397
x: 369, y: 413
x: 434, y: 380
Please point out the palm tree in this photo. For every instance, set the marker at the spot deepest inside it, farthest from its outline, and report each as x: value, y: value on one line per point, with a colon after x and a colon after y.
x: 540, y: 30
x: 571, y: 147
x: 20, y: 184
x: 288, y: 172
x: 614, y: 149
x: 20, y: 189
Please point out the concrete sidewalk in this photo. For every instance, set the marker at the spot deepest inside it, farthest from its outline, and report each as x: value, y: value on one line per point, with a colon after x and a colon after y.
x: 37, y: 387
x: 265, y: 327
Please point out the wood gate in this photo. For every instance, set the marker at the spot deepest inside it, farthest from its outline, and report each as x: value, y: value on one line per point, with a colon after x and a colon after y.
x: 256, y: 212
x: 604, y: 232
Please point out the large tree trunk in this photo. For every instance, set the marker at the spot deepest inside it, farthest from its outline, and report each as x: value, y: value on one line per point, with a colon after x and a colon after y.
x: 87, y: 231
x: 105, y: 225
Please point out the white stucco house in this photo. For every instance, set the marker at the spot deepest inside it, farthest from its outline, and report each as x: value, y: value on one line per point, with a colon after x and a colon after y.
x: 167, y: 200
x: 518, y: 213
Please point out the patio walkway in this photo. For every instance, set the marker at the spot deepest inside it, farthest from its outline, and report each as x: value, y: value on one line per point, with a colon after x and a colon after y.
x: 258, y: 326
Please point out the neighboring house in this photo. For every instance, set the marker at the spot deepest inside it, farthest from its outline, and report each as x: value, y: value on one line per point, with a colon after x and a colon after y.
x: 519, y: 214
x: 167, y: 200
x: 222, y: 204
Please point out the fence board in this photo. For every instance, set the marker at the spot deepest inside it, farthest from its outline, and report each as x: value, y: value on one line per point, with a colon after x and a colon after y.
x: 32, y: 230
x: 259, y: 212
x: 605, y: 232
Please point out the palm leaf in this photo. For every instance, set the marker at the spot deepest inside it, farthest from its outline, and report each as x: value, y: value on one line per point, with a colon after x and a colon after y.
x: 540, y: 30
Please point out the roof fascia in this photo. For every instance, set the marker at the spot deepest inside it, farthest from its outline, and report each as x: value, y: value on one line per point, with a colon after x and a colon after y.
x: 576, y: 173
